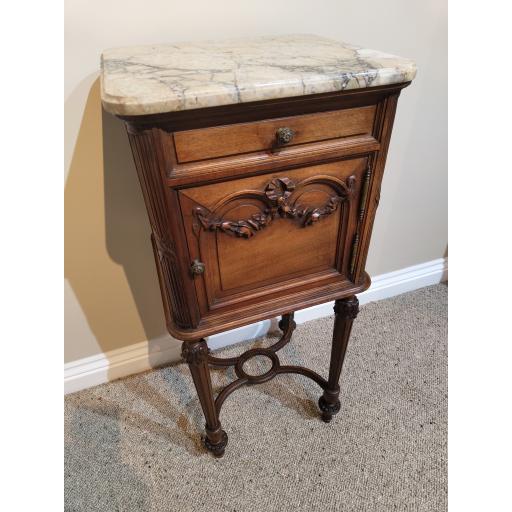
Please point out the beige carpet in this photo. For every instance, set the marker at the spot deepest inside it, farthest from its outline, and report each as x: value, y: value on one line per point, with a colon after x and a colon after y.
x: 133, y: 445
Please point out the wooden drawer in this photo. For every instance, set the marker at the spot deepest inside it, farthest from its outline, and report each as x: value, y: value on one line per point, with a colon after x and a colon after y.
x: 219, y: 141
x: 263, y: 236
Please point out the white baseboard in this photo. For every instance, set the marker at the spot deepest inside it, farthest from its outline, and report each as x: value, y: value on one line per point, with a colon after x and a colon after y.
x: 114, y: 364
x: 91, y: 371
x: 388, y: 285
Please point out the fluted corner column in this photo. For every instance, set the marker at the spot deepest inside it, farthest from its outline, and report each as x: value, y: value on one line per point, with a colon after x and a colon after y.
x: 346, y: 311
x: 196, y: 355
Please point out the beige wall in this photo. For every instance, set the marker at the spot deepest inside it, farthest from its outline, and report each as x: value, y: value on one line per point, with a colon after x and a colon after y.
x: 111, y: 292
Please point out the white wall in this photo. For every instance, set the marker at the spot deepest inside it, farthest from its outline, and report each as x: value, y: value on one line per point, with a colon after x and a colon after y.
x: 111, y: 291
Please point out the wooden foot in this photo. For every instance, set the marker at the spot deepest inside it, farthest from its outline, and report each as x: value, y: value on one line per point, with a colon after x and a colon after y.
x: 346, y: 311
x: 221, y: 440
x: 196, y: 355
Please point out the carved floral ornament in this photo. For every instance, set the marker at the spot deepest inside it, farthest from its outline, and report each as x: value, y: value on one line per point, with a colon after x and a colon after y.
x: 277, y: 198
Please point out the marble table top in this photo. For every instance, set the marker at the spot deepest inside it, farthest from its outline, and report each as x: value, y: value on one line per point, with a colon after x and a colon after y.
x: 161, y: 78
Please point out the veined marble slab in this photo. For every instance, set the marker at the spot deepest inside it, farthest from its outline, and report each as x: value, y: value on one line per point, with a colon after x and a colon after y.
x: 153, y: 79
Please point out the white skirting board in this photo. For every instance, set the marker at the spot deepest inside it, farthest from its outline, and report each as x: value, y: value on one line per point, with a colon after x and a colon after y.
x: 91, y: 371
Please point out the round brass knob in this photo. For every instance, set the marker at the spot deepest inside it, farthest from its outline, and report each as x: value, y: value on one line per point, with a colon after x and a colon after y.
x: 284, y: 135
x: 197, y: 267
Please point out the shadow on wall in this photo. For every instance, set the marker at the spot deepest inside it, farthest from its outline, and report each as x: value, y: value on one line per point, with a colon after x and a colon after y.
x: 108, y: 256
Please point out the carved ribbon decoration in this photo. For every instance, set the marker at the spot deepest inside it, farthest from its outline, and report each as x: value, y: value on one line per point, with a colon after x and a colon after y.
x: 277, y: 193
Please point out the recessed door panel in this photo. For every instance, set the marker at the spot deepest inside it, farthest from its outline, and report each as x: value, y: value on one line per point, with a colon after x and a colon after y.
x: 259, y: 235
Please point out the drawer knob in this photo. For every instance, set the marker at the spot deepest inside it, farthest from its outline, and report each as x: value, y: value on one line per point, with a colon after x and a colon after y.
x: 197, y: 267
x: 284, y: 135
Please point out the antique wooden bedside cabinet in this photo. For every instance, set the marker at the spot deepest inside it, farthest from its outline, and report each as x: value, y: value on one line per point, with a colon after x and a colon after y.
x: 261, y: 163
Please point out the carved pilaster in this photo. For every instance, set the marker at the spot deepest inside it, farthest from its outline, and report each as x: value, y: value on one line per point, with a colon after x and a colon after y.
x: 353, y: 253
x: 144, y: 146
x: 360, y: 216
x: 364, y: 192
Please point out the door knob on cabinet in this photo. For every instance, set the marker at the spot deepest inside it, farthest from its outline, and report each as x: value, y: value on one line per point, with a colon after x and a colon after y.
x: 197, y: 267
x: 284, y: 135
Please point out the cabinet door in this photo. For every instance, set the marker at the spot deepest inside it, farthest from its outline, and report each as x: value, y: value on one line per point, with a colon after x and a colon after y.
x: 273, y: 234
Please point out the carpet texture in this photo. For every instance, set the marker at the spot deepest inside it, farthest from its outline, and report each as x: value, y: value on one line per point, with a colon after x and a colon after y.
x: 134, y: 445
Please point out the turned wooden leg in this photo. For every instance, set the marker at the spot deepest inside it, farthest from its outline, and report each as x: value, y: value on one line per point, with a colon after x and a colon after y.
x: 345, y: 310
x: 196, y: 355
